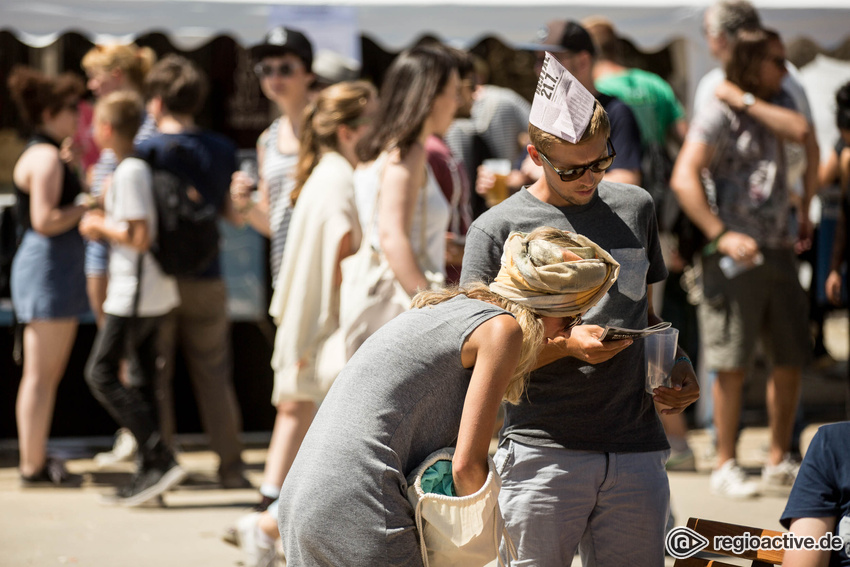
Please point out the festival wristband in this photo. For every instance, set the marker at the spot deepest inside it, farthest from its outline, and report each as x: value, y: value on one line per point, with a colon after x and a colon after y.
x: 711, y: 247
x: 683, y: 359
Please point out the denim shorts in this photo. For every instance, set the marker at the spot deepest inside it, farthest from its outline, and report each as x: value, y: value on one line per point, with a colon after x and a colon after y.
x: 97, y: 258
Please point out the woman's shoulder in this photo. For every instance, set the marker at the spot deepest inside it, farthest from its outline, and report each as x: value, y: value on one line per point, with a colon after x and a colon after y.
x: 40, y: 156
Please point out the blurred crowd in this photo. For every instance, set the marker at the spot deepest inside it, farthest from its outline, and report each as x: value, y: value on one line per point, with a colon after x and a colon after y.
x: 366, y: 196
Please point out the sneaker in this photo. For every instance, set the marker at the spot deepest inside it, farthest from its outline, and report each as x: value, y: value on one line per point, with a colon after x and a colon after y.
x: 782, y: 474
x: 52, y: 474
x: 264, y: 503
x: 681, y: 461
x: 150, y: 483
x: 258, y: 547
x: 124, y: 449
x: 730, y: 480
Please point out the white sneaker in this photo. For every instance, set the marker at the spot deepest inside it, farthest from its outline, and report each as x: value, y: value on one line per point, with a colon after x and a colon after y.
x: 124, y: 449
x: 258, y: 547
x: 730, y: 480
x: 782, y: 474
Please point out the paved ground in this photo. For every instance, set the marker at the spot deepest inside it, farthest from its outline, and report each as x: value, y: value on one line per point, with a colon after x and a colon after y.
x: 48, y: 527
x: 44, y: 527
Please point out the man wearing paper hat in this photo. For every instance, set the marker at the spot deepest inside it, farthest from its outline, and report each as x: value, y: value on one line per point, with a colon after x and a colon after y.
x: 572, y: 46
x: 586, y: 415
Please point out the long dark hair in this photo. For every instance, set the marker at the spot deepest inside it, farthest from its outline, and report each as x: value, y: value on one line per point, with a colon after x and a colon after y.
x: 412, y: 83
x: 749, y: 51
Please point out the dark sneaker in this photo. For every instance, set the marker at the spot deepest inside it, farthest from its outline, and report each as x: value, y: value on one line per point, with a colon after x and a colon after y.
x: 149, y: 483
x: 54, y: 474
x: 264, y: 503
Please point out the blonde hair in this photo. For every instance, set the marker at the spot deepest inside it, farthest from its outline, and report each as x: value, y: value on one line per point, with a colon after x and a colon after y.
x: 599, y: 124
x: 342, y: 103
x: 133, y: 61
x: 532, y: 329
x: 122, y: 110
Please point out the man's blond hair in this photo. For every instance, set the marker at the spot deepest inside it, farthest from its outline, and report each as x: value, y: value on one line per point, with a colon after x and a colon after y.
x: 122, y: 110
x: 599, y: 124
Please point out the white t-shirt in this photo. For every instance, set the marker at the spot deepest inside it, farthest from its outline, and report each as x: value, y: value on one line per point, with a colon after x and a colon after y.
x: 131, y: 198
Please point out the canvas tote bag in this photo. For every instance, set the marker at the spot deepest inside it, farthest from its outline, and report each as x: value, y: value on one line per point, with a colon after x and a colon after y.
x: 459, y: 531
x: 370, y: 294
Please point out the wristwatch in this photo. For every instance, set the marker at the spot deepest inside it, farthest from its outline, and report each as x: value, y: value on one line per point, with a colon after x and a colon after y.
x: 748, y: 99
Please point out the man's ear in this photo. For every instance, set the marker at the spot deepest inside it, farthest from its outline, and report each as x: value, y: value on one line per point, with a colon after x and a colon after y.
x: 534, y: 155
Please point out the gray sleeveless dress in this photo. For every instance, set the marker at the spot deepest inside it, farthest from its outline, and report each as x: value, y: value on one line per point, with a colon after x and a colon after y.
x: 399, y: 399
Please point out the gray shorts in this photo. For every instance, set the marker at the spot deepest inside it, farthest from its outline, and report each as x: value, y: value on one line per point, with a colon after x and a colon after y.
x: 766, y: 303
x: 612, y: 506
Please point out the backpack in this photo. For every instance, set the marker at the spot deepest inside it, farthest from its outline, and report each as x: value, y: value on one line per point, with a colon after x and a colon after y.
x: 187, y: 241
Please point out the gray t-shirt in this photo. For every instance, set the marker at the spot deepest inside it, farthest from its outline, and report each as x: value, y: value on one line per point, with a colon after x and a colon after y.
x: 569, y: 403
x: 747, y: 176
x: 399, y: 399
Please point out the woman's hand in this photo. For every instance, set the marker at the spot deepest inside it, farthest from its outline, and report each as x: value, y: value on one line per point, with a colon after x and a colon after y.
x: 91, y: 225
x: 241, y: 189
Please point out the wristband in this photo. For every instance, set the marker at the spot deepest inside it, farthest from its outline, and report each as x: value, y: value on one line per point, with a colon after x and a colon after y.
x: 683, y: 359
x: 711, y: 247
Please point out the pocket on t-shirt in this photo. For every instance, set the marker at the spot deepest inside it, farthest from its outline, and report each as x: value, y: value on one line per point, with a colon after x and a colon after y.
x: 633, y: 268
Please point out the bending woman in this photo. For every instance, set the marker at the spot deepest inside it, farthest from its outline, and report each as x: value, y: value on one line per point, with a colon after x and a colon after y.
x: 48, y: 282
x: 431, y: 377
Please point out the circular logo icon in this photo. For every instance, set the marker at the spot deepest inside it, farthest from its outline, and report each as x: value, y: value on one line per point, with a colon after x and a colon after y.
x: 683, y: 542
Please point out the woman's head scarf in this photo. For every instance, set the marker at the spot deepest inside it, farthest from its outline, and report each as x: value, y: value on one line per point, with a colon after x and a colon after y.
x: 535, y: 274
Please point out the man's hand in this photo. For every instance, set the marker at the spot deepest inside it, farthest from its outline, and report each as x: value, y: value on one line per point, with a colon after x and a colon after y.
x: 731, y: 94
x: 583, y: 344
x: 683, y: 392
x: 833, y: 287
x: 740, y: 247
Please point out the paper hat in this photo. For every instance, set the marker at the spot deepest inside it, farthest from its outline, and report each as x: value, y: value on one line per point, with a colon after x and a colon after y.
x: 562, y: 106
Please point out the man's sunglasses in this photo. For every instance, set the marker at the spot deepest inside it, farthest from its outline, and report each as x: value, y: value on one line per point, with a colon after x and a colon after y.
x: 264, y: 70
x: 573, y: 173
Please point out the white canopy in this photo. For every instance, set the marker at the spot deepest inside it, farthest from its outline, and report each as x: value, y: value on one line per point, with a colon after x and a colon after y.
x: 395, y: 23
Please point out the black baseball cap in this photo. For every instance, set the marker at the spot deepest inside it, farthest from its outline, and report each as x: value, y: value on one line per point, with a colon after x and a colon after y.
x: 561, y: 35
x: 280, y: 41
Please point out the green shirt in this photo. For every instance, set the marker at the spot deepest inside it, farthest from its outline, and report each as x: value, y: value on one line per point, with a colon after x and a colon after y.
x: 650, y: 98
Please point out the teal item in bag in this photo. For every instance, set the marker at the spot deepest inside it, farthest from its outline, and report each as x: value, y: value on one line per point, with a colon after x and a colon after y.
x: 437, y: 479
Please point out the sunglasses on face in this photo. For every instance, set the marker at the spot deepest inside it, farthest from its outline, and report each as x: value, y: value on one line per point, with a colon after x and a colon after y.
x: 574, y: 322
x: 573, y: 173
x: 778, y: 61
x: 263, y: 70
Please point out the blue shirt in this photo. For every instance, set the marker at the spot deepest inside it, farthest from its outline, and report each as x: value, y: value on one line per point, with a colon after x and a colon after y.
x: 207, y: 160
x: 822, y: 488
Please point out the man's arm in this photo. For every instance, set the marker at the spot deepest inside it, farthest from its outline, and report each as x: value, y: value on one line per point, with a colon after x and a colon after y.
x: 815, y: 527
x: 625, y: 136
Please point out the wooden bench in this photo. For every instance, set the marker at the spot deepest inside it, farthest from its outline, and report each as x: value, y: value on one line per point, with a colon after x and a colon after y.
x: 709, y: 529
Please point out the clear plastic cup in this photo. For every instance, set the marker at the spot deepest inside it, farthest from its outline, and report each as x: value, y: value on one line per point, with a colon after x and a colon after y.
x: 660, y: 352
x: 500, y: 168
